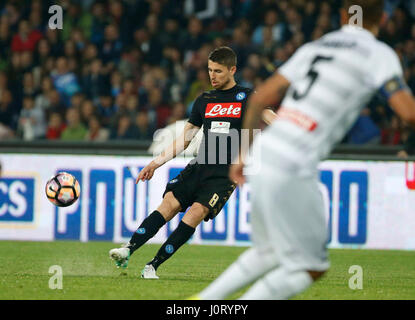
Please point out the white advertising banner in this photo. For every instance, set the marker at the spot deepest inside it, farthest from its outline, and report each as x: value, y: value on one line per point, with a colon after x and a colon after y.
x: 369, y: 204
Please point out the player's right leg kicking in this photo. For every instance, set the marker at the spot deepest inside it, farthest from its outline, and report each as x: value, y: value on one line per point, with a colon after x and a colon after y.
x: 147, y: 229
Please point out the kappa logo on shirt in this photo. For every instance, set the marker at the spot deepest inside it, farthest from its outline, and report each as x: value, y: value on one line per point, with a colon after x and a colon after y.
x: 223, y: 110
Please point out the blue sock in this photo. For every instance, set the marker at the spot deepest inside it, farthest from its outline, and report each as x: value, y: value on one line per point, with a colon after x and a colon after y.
x: 147, y: 229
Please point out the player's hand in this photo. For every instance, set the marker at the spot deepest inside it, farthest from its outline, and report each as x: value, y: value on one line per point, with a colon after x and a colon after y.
x: 147, y: 172
x: 236, y: 173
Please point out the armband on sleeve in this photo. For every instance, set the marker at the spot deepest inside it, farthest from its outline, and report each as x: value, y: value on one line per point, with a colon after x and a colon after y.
x: 391, y: 86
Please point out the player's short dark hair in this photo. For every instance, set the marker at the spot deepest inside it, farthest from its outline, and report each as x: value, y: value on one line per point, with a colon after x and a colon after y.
x: 372, y: 10
x: 224, y: 56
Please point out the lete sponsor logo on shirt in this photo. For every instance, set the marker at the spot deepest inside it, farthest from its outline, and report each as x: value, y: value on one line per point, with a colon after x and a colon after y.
x: 223, y: 110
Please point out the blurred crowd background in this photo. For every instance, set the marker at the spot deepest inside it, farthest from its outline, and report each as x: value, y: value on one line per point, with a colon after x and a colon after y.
x: 123, y: 69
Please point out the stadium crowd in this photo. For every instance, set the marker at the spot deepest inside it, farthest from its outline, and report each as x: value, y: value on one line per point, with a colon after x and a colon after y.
x: 122, y: 69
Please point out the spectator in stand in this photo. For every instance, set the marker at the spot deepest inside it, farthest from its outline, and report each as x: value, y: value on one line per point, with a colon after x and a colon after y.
x: 26, y: 60
x: 89, y: 54
x: 145, y: 129
x: 194, y: 38
x: 201, y: 84
x: 99, y: 21
x: 178, y: 113
x: 121, y: 102
x: 173, y: 64
x: 75, y: 17
x: 95, y: 81
x: 121, y: 18
x: 116, y: 83
x: 26, y: 39
x: 95, y: 130
x: 309, y: 19
x: 364, y: 131
x: 35, y: 19
x: 268, y: 45
x: 106, y: 109
x: 12, y: 14
x: 161, y: 109
x: 149, y: 46
x: 171, y: 32
x: 241, y: 44
x: 78, y: 37
x: 3, y: 82
x: 112, y: 46
x: 42, y: 52
x: 5, y: 39
x: 70, y: 51
x: 247, y: 77
x: 124, y: 129
x: 8, y: 117
x: 75, y: 130
x: 131, y: 62
x: 77, y: 100
x: 392, y: 134
x: 87, y: 110
x: 29, y: 88
x: 275, y: 29
x: 148, y: 82
x: 55, y: 42
x: 132, y: 106
x: 55, y: 127
x: 55, y: 102
x: 261, y: 66
x: 293, y: 22
x: 129, y: 88
x: 65, y: 81
x: 31, y: 124
x: 152, y: 26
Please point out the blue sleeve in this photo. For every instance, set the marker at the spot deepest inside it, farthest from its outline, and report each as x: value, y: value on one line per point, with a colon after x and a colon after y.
x: 392, y: 86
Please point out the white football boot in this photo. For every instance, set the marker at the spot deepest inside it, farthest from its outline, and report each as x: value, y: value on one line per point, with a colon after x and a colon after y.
x: 149, y: 272
x: 120, y: 256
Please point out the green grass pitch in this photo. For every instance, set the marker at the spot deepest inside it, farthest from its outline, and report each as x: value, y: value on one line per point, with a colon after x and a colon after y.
x: 88, y: 273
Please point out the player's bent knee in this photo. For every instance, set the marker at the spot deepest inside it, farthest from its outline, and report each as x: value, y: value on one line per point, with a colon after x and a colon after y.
x: 258, y: 258
x: 195, y: 215
x: 169, y: 207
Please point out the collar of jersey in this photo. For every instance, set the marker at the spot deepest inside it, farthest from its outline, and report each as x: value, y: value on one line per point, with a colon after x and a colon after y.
x: 228, y: 90
x: 355, y: 29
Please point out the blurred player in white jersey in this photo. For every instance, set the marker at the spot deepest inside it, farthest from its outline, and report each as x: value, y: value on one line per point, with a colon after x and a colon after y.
x: 329, y: 81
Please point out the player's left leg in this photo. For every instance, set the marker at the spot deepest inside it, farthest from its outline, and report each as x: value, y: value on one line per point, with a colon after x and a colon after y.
x: 251, y: 265
x: 281, y: 284
x: 193, y: 217
x: 297, y: 227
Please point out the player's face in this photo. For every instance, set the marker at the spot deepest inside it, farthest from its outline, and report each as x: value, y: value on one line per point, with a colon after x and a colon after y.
x: 220, y: 76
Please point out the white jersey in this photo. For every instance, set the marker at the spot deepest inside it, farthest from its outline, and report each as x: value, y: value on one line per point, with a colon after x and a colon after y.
x: 332, y: 79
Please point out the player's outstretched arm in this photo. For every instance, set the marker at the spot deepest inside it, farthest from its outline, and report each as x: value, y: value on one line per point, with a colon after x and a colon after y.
x: 177, y: 147
x: 403, y: 103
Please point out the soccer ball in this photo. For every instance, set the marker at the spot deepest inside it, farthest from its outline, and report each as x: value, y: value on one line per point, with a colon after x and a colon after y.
x: 63, y: 189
